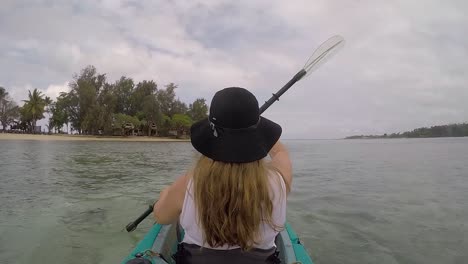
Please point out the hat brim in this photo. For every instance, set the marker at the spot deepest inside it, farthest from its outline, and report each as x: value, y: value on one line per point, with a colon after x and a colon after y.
x: 238, y: 146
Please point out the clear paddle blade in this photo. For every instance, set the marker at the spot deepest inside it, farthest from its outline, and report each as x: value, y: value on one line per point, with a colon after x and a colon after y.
x: 323, y: 53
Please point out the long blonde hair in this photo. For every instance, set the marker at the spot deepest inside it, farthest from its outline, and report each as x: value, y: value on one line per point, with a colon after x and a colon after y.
x: 232, y: 200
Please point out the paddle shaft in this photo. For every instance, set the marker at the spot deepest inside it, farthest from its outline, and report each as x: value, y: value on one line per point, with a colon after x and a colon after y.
x: 133, y: 225
x: 281, y: 91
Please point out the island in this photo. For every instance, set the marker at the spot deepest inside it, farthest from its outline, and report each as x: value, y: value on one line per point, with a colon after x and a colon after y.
x: 451, y: 130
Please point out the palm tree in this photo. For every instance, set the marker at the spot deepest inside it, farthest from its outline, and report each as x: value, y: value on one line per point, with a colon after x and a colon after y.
x: 35, y: 106
x: 48, y: 102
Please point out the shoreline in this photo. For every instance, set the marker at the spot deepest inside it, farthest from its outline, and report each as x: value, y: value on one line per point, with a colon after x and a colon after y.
x: 64, y: 137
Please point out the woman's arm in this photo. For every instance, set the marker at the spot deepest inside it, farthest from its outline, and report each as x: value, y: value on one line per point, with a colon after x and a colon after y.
x: 169, y: 206
x: 281, y: 161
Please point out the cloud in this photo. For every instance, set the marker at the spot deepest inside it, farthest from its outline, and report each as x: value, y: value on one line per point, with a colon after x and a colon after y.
x: 403, y: 65
x: 54, y: 90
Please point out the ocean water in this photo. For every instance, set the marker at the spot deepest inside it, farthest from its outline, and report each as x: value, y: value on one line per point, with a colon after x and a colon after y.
x: 352, y: 201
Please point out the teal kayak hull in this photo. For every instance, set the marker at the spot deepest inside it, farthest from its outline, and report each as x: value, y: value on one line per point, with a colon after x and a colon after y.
x: 160, y: 243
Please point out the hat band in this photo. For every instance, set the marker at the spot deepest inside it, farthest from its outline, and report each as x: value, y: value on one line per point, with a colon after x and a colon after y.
x: 217, y: 129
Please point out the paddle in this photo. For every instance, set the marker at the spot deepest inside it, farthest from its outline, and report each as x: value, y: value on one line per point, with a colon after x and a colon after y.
x: 320, y: 55
x: 133, y: 225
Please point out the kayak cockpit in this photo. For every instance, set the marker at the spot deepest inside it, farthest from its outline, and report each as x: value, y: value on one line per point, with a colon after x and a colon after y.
x: 160, y: 243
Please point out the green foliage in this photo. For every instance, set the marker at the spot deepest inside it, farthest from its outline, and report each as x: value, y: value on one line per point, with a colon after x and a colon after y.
x: 453, y: 130
x: 9, y: 111
x: 164, y: 125
x: 178, y: 107
x: 181, y: 123
x: 95, y: 106
x: 3, y: 93
x: 80, y: 97
x: 120, y: 120
x: 88, y: 87
x: 166, y: 99
x: 59, y: 114
x: 143, y: 89
x: 123, y: 90
x: 150, y: 109
x: 107, y: 103
x: 25, y: 116
x: 198, y: 110
x: 92, y: 102
x: 33, y: 108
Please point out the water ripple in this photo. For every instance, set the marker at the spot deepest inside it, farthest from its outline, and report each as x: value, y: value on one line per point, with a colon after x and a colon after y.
x: 377, y: 201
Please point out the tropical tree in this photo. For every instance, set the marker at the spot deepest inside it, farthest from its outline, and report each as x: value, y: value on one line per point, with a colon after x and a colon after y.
x: 123, y: 122
x: 47, y: 109
x: 198, y: 110
x: 62, y: 110
x: 3, y: 93
x: 48, y: 102
x: 9, y: 111
x: 178, y: 107
x: 59, y: 112
x: 33, y: 108
x: 142, y: 90
x: 181, y: 123
x: 92, y: 105
x: 166, y: 99
x: 123, y: 90
x: 151, y: 112
x: 83, y: 100
x: 25, y: 121
x: 121, y: 119
x: 164, y: 125
x: 107, y: 102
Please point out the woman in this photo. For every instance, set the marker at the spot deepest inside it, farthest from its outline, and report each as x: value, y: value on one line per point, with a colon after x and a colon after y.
x: 232, y: 204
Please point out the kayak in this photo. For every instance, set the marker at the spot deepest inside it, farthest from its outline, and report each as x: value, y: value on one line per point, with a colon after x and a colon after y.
x: 160, y: 243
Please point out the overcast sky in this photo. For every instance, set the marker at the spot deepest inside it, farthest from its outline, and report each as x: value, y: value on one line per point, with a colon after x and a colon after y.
x: 404, y: 64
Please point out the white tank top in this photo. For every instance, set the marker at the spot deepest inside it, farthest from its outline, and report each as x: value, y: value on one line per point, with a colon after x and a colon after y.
x: 194, y: 232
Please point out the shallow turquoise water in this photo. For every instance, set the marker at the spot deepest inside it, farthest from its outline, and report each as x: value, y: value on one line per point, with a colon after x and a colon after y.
x: 353, y: 201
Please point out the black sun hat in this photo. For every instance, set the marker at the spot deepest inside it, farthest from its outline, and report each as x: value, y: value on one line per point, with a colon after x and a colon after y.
x: 234, y: 131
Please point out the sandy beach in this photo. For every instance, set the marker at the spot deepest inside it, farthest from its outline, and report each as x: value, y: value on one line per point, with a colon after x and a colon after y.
x: 56, y: 137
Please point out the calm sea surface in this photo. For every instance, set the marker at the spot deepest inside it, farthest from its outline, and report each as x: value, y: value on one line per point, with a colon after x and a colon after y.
x: 353, y: 201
